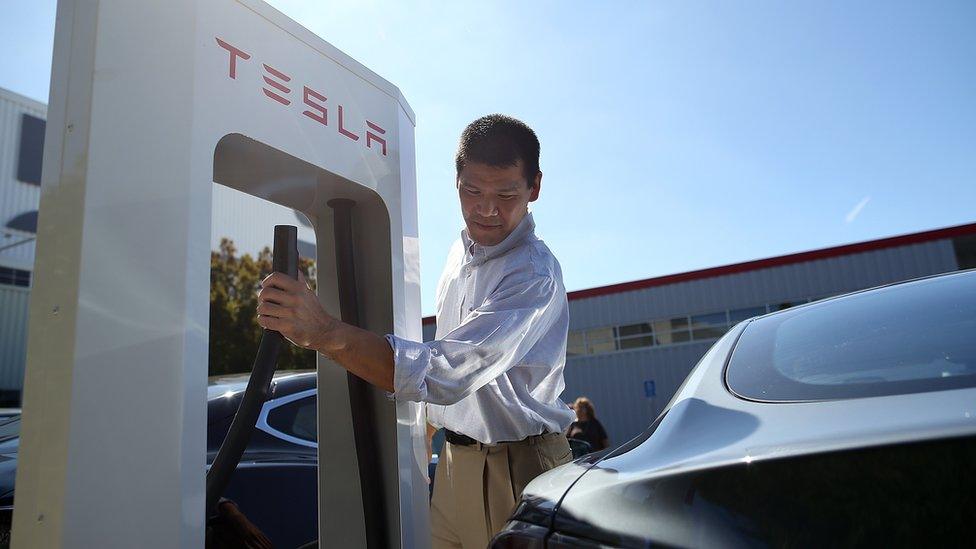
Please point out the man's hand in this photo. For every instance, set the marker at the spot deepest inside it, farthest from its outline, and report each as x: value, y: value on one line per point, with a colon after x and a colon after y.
x: 249, y: 535
x: 289, y: 307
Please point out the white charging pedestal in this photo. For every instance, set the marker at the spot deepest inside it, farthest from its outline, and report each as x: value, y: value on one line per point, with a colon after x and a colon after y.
x: 151, y: 102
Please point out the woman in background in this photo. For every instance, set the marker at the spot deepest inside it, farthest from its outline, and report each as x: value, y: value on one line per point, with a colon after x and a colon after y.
x: 587, y: 427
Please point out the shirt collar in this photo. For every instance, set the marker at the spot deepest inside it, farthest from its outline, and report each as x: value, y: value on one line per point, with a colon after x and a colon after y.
x: 479, y: 254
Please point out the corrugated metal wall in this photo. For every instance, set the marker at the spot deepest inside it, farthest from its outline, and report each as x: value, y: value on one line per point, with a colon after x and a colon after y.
x: 614, y: 381
x: 810, y: 279
x: 14, y: 302
x: 16, y: 197
x: 249, y: 221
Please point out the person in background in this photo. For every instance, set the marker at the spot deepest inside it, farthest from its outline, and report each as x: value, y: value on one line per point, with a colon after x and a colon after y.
x: 587, y: 427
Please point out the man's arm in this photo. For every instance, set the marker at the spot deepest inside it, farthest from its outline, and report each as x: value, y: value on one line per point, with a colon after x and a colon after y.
x: 491, y: 339
x: 288, y: 306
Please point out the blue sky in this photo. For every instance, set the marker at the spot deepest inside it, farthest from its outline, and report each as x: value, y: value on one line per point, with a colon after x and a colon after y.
x: 675, y: 136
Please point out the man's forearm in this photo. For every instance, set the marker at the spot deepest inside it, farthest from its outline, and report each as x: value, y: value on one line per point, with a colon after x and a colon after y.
x: 361, y: 352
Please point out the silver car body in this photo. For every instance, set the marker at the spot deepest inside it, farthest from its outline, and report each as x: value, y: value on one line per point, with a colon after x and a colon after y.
x: 706, y: 426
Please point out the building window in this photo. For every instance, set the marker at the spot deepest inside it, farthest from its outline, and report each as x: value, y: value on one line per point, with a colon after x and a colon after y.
x: 31, y: 149
x: 14, y: 277
x: 655, y: 333
x: 635, y: 336
x: 26, y: 222
x: 575, y: 344
x: 738, y: 315
x: 600, y: 340
x: 709, y: 326
x: 674, y: 330
x: 965, y: 248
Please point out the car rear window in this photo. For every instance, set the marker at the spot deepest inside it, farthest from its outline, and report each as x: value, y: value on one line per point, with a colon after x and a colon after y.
x: 907, y: 338
x: 297, y: 419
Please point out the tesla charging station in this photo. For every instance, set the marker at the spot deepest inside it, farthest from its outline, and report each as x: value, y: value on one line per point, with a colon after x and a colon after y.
x: 151, y: 103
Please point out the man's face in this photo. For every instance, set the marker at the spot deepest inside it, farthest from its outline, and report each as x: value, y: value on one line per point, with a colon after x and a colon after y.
x: 494, y: 200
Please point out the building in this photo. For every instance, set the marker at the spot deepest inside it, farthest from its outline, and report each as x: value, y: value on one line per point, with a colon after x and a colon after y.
x: 21, y: 147
x: 632, y: 344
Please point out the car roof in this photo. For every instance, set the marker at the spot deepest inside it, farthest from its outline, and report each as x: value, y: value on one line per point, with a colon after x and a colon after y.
x: 284, y: 382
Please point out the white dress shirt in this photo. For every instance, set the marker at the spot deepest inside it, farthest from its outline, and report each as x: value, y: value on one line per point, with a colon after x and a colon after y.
x: 495, y: 369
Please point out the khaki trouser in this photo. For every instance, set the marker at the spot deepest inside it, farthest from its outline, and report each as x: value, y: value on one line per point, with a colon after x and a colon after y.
x: 476, y: 487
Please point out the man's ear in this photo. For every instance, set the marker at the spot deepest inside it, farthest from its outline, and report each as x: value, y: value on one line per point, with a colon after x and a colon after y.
x: 534, y: 194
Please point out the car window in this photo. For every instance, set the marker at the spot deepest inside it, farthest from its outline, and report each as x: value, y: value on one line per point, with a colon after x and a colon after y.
x: 913, y: 337
x: 296, y: 418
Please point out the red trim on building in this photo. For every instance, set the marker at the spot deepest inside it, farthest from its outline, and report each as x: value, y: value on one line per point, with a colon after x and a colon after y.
x: 802, y: 257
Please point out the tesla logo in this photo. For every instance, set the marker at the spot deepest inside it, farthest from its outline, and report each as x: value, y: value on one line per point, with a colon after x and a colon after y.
x: 278, y: 87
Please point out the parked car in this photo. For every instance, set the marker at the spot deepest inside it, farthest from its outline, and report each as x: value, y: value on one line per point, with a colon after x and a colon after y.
x: 9, y: 442
x: 848, y: 421
x: 276, y: 482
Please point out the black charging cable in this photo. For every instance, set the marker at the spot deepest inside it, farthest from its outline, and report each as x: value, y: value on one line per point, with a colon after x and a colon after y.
x: 285, y: 260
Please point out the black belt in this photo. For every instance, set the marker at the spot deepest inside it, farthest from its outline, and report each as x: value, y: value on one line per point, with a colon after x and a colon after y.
x: 458, y: 439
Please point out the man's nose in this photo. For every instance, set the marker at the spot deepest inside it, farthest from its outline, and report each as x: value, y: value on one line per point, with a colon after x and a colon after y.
x: 487, y: 208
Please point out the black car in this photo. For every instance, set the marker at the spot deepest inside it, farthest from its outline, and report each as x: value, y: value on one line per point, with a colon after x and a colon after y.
x: 845, y: 422
x: 276, y: 483
x: 9, y: 441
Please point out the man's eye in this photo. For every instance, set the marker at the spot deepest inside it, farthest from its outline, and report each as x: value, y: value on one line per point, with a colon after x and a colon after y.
x: 507, y: 196
x: 470, y: 191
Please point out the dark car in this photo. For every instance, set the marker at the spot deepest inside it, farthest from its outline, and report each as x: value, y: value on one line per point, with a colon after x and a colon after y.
x: 9, y: 441
x: 845, y: 422
x: 276, y: 483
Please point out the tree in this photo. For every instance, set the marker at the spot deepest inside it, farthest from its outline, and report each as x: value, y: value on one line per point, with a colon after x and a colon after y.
x: 234, y: 331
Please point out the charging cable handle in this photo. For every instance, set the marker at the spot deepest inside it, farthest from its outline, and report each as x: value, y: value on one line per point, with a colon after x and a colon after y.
x: 285, y: 260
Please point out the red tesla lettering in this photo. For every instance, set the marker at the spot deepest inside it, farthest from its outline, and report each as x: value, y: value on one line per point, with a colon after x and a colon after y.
x: 370, y: 136
x: 344, y: 131
x: 308, y: 96
x: 234, y: 54
x: 276, y: 85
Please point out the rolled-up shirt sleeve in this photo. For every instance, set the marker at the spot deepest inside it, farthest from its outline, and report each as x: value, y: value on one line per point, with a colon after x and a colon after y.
x: 491, y: 339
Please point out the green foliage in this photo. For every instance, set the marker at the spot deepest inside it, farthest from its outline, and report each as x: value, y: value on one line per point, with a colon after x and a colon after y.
x: 234, y: 331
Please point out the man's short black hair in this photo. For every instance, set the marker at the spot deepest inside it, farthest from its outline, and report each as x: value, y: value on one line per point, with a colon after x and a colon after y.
x: 499, y: 141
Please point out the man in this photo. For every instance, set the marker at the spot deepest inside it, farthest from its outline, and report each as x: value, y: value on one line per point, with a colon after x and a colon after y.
x: 493, y: 375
